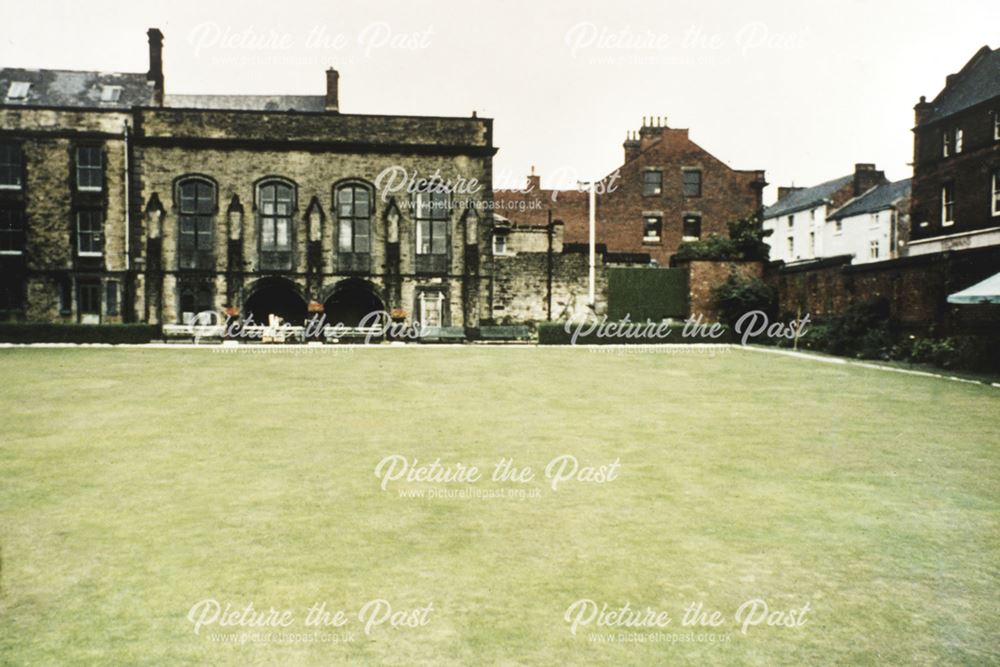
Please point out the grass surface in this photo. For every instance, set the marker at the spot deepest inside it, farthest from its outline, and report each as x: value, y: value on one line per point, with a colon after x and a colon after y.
x: 136, y: 483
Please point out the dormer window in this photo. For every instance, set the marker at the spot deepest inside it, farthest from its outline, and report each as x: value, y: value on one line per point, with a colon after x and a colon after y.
x: 110, y: 93
x: 18, y: 90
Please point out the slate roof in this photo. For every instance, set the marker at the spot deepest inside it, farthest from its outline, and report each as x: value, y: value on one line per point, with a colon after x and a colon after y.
x: 977, y: 82
x: 807, y: 197
x: 878, y: 198
x: 69, y: 88
x: 247, y: 102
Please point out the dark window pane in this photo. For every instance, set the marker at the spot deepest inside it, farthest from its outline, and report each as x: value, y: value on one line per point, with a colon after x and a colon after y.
x: 692, y: 183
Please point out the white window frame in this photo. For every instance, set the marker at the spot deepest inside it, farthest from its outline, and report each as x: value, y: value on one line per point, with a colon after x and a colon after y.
x: 110, y: 94
x: 873, y: 249
x: 99, y: 232
x: 99, y: 167
x: 946, y: 143
x: 424, y: 298
x: 499, y: 244
x: 959, y: 136
x: 791, y: 247
x: 996, y: 192
x: 996, y: 126
x: 945, y: 220
x: 19, y: 185
x: 649, y: 238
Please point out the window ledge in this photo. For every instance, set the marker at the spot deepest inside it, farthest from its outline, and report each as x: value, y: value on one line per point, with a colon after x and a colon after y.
x: 11, y: 252
x: 81, y: 188
x: 90, y: 254
x: 10, y: 187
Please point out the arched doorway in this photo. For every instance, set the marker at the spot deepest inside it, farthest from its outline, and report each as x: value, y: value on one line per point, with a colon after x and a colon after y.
x: 278, y: 297
x: 350, y: 302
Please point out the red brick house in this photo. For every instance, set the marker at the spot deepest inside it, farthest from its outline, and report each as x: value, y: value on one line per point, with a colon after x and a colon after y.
x: 669, y: 189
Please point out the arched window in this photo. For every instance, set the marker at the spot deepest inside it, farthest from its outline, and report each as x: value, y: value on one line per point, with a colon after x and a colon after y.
x: 275, y: 203
x: 196, y: 199
x: 354, y: 212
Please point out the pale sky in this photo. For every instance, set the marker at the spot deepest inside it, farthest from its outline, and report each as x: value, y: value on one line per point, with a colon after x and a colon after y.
x: 801, y: 89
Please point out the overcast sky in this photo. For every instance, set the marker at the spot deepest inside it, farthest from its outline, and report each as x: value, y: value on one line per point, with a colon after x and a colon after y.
x: 802, y: 90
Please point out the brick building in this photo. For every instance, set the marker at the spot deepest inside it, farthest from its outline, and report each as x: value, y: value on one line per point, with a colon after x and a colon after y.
x: 120, y: 202
x: 956, y: 161
x: 667, y: 190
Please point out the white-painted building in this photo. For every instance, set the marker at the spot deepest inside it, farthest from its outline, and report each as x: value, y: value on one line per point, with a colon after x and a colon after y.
x: 873, y: 227
x: 799, y: 221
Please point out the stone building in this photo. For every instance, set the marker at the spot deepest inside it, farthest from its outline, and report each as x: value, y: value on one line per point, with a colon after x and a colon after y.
x: 956, y: 161
x: 668, y: 190
x: 120, y: 202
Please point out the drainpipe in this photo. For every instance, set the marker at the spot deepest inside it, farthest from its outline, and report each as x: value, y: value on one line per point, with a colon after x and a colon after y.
x: 126, y: 305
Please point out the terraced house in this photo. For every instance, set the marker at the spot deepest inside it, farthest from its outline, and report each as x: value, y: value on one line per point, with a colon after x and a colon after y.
x: 120, y: 202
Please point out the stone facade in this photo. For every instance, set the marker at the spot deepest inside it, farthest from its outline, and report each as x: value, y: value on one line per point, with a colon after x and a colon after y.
x: 135, y: 205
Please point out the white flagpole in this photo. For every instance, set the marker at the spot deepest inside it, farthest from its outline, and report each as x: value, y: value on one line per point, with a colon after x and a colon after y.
x: 592, y: 221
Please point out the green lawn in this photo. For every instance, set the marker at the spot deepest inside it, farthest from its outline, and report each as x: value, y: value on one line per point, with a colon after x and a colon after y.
x: 135, y: 483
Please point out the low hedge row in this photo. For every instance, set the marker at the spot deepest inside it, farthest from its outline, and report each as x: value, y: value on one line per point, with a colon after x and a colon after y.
x: 554, y: 333
x: 43, y: 332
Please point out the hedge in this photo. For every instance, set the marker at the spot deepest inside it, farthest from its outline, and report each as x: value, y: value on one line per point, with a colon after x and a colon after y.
x: 647, y: 293
x: 43, y: 332
x: 554, y: 333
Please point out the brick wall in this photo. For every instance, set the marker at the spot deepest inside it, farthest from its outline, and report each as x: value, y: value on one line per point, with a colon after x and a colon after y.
x: 705, y: 276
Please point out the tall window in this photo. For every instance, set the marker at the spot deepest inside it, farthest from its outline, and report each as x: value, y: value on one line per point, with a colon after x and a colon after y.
x: 948, y: 204
x: 432, y: 223
x: 652, y: 182
x: 791, y: 247
x: 111, y: 297
x: 692, y: 227
x: 692, y: 183
x: 652, y: 228
x: 812, y: 244
x: 958, y: 140
x: 11, y: 296
x: 89, y: 233
x: 11, y: 230
x: 353, y: 219
x: 89, y: 168
x: 996, y: 192
x: 276, y: 202
x: 194, y: 238
x: 10, y: 167
x: 946, y: 143
x: 873, y: 249
x: 791, y: 221
x: 499, y: 244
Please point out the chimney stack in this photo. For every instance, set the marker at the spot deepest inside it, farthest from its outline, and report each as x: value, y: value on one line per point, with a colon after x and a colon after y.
x: 155, y: 73
x: 785, y: 191
x: 866, y: 177
x: 534, y: 181
x: 332, y: 92
x: 631, y: 146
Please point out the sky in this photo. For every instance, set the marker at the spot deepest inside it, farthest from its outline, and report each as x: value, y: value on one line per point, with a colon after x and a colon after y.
x: 803, y: 90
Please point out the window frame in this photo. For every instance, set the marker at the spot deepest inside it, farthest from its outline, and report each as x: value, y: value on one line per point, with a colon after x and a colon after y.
x: 16, y: 233
x: 657, y: 222
x: 80, y: 168
x: 15, y: 165
x: 274, y: 257
x: 85, y: 287
x: 694, y: 218
x: 435, y: 231
x: 24, y: 86
x: 874, y: 249
x: 98, y: 233
x: 655, y: 188
x: 995, y: 208
x: 353, y: 218
x: 200, y: 253
x: 499, y: 244
x: 947, y: 204
x: 202, y: 299
x: 684, y: 184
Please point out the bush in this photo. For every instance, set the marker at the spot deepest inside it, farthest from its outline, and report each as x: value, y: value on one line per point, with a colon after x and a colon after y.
x: 43, y: 332
x: 745, y: 243
x: 740, y: 295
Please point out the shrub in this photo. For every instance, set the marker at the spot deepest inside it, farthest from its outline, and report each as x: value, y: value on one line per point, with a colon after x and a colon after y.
x: 43, y: 332
x: 740, y: 295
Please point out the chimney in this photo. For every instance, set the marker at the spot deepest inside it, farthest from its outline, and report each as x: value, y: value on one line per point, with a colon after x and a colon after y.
x: 785, y: 191
x: 155, y: 73
x: 866, y: 177
x: 332, y: 95
x: 631, y: 146
x: 534, y: 181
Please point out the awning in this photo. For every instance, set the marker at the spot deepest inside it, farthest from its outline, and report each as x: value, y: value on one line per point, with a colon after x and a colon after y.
x: 987, y: 291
